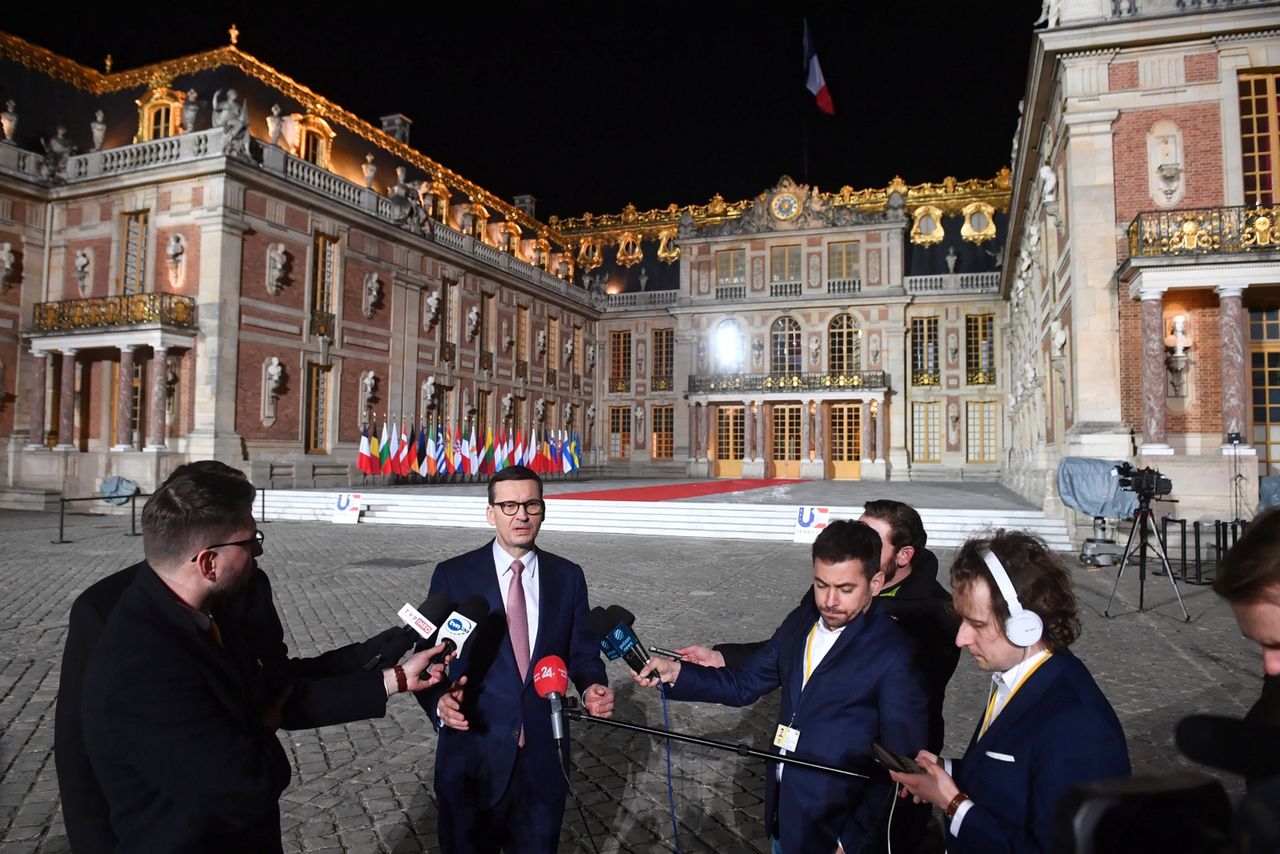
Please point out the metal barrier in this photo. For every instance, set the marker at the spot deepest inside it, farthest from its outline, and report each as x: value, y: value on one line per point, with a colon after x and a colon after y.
x: 1199, y: 563
x: 62, y: 514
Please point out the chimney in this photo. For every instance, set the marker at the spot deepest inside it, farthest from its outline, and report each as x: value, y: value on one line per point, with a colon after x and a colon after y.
x: 397, y: 126
x: 525, y: 204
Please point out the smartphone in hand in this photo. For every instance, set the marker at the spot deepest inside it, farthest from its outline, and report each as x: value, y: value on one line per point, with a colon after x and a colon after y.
x: 896, y: 761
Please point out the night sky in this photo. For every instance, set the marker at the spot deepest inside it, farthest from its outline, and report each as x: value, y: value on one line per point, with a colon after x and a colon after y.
x: 589, y: 108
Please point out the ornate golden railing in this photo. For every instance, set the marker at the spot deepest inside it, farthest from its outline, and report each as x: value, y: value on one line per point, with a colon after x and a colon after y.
x: 619, y: 384
x: 486, y: 361
x: 925, y: 378
x: 323, y: 324
x: 1205, y: 231
x: 978, y: 376
x: 815, y: 381
x: 662, y: 383
x: 448, y: 352
x: 552, y: 376
x: 128, y: 310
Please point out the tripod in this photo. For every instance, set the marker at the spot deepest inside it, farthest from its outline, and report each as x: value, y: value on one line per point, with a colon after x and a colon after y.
x: 1137, y: 541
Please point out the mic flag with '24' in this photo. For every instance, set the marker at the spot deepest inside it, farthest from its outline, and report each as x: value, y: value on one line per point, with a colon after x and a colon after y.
x: 551, y: 680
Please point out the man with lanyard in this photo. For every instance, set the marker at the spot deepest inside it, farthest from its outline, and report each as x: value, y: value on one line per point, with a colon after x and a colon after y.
x: 847, y: 680
x: 1046, y: 728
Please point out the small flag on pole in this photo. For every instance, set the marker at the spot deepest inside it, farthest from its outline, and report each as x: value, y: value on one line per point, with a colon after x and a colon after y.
x: 815, y: 83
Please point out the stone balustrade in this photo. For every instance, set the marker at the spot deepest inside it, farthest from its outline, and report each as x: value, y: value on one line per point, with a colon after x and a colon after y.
x: 953, y: 283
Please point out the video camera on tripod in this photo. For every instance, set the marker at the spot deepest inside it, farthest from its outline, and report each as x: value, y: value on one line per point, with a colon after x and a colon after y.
x: 1146, y: 483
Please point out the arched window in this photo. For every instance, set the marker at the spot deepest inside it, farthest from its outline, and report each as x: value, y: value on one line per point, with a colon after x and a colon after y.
x: 731, y: 347
x: 844, y: 345
x: 785, y: 347
x: 159, y: 114
x: 315, y: 140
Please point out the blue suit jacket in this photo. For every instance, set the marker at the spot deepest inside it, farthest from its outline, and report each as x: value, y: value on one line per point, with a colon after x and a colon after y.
x: 1058, y: 731
x: 476, y: 765
x: 864, y: 690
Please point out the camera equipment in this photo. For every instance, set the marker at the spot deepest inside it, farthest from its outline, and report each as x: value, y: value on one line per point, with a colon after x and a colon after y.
x: 1147, y: 484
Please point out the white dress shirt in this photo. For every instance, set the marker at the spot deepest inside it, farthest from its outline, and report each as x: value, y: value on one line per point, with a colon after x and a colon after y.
x: 529, y: 577
x: 817, y: 644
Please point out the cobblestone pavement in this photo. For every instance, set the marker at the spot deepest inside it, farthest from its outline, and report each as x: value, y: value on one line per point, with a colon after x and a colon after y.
x: 366, y: 786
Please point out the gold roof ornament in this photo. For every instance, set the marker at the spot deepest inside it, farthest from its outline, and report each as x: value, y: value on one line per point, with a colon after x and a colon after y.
x: 234, y: 33
x: 926, y: 226
x: 629, y: 251
x: 979, y: 224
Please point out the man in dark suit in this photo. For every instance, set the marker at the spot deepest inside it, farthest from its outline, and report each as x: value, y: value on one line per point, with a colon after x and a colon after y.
x: 499, y: 779
x: 1046, y: 727
x: 179, y: 710
x: 845, y: 672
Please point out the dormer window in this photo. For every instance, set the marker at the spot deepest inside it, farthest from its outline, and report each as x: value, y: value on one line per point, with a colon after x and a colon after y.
x: 315, y: 140
x: 159, y: 114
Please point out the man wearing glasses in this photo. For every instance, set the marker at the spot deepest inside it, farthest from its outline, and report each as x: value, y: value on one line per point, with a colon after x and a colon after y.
x: 499, y: 780
x: 179, y: 706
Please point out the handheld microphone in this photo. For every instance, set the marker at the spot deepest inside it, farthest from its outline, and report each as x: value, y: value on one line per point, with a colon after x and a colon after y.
x: 459, y: 625
x: 425, y: 620
x: 550, y: 680
x: 624, y: 638
x: 599, y: 624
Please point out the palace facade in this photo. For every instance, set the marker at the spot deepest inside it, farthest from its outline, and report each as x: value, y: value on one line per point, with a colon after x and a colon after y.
x: 187, y: 272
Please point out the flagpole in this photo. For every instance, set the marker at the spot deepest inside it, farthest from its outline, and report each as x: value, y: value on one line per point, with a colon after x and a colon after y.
x: 804, y: 120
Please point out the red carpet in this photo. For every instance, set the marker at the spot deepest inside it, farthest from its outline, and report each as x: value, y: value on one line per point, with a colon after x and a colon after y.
x: 673, y: 491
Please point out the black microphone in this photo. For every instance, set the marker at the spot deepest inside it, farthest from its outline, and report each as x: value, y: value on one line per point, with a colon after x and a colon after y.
x: 624, y: 638
x: 459, y: 625
x: 1242, y: 747
x: 601, y: 627
x: 424, y: 622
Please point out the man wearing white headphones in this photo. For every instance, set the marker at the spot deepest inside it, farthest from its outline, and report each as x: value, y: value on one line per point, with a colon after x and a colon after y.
x: 1046, y: 727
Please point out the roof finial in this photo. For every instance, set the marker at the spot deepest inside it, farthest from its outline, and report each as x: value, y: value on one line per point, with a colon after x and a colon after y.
x: 107, y: 62
x: 234, y: 33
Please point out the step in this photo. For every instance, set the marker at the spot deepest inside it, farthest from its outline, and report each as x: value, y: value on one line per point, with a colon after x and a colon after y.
x: 28, y: 498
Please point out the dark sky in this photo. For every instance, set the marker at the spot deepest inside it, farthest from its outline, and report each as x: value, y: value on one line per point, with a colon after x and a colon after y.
x: 589, y: 108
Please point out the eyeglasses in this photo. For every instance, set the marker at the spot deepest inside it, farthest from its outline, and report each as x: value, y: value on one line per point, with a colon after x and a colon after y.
x: 255, y: 540
x: 533, y: 507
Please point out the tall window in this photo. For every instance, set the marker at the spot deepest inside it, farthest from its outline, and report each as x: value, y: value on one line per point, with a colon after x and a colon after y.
x: 846, y: 432
x: 843, y: 260
x: 980, y: 431
x: 926, y: 432
x: 553, y: 340
x: 1264, y: 363
x: 448, y: 310
x: 731, y: 267
x: 731, y: 347
x: 577, y: 350
x: 785, y: 346
x: 730, y: 433
x: 522, y: 334
x: 317, y: 426
x: 482, y: 414
x: 786, y: 432
x: 979, y: 346
x: 844, y: 345
x: 784, y: 264
x: 664, y: 432
x: 663, y: 359
x: 133, y: 252
x: 619, y: 432
x: 924, y: 351
x: 488, y: 304
x: 620, y: 361
x: 1260, y: 136
x: 160, y: 122
x: 325, y: 274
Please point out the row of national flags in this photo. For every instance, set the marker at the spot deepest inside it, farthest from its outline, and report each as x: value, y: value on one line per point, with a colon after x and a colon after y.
x: 433, y: 451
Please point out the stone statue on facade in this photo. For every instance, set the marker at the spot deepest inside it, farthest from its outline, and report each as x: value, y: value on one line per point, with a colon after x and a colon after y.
x: 590, y: 415
x: 684, y: 230
x: 368, y: 384
x: 429, y: 390
x: 98, y: 130
x: 540, y: 410
x: 1048, y: 184
x: 540, y: 342
x: 591, y: 356
x: 568, y: 350
x: 233, y: 117
x: 57, y: 151
x: 1017, y: 131
x: 82, y: 264
x: 638, y: 414
x: 368, y: 170
x: 275, y: 375
x: 372, y: 293
x: 1057, y: 339
x: 644, y: 278
x: 277, y: 260
x: 473, y: 322
x: 432, y: 306
x: 190, y: 111
x: 174, y: 250
x: 951, y: 260
x: 566, y: 415
x: 275, y: 126
x: 9, y: 120
x: 508, y: 401
x: 1178, y: 340
x: 7, y: 263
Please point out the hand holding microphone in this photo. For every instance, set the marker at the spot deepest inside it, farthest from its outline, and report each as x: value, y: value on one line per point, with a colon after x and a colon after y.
x: 657, y: 670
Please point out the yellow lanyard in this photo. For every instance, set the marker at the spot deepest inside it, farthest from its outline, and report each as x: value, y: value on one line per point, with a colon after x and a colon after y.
x: 808, y: 653
x: 991, y: 703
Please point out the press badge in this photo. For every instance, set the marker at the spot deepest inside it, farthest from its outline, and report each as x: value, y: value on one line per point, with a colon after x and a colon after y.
x: 786, y: 737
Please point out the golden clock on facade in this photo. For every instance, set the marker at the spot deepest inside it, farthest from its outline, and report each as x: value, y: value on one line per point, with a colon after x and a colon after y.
x: 785, y: 206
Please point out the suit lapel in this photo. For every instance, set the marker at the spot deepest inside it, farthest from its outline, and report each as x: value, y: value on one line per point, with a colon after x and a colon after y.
x: 550, y: 592
x: 1025, y: 699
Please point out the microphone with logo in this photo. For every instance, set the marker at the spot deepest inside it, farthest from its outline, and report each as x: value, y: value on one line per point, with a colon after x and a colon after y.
x: 624, y: 639
x: 459, y: 625
x: 424, y: 621
x: 551, y: 680
x: 601, y: 627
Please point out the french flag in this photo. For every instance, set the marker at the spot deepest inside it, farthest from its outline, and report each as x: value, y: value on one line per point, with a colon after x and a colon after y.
x: 815, y: 83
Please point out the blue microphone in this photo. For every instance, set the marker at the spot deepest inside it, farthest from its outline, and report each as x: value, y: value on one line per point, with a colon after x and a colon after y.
x: 624, y: 639
x: 601, y: 627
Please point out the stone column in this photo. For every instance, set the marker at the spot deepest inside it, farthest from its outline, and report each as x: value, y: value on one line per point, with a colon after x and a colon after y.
x: 817, y: 430
x: 692, y: 412
x: 759, y: 430
x: 880, y: 416
x: 750, y: 446
x: 67, y: 404
x: 867, y: 456
x: 157, y: 394
x: 1154, y: 376
x: 1235, y: 384
x: 40, y: 363
x: 124, y: 401
x: 806, y: 431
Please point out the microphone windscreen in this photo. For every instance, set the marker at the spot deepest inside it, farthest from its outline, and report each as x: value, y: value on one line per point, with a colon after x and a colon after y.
x: 619, y: 614
x: 1249, y: 749
x: 474, y: 609
x: 599, y: 622
x: 436, y: 607
x: 550, y: 676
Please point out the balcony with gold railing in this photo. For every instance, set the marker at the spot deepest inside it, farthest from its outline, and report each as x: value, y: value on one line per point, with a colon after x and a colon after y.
x: 660, y: 383
x: 619, y: 385
x: 552, y: 377
x: 323, y: 324
x: 129, y: 310
x: 829, y: 381
x: 979, y: 376
x: 1240, y: 230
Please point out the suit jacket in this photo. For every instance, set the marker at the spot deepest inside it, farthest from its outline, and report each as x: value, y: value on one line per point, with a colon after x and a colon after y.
x: 172, y: 724
x: 1056, y: 732
x: 331, y: 688
x: 922, y: 609
x: 477, y: 764
x: 865, y: 689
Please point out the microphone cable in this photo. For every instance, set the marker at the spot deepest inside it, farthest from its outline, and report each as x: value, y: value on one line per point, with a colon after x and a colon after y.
x: 671, y: 794
x: 582, y: 815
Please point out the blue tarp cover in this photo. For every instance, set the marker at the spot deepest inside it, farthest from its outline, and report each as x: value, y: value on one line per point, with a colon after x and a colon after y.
x: 1090, y: 486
